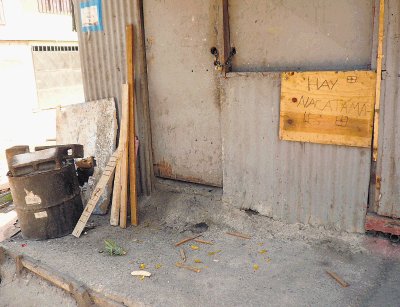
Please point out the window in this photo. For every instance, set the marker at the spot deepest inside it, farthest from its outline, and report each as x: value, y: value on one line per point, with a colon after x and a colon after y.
x: 55, y: 6
x: 58, y: 75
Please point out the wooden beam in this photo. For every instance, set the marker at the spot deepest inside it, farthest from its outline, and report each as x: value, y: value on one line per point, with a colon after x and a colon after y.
x: 379, y: 78
x: 123, y: 165
x: 124, y: 188
x: 116, y: 198
x: 226, y: 34
x: 131, y: 135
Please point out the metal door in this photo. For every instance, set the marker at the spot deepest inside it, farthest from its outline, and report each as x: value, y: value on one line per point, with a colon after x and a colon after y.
x: 183, y: 92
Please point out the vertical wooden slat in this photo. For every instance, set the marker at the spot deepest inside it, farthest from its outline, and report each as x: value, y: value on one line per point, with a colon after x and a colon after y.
x: 124, y: 159
x: 379, y: 78
x: 123, y: 134
x: 116, y: 198
x: 131, y: 142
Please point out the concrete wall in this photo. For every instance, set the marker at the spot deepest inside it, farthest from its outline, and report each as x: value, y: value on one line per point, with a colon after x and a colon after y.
x: 272, y: 35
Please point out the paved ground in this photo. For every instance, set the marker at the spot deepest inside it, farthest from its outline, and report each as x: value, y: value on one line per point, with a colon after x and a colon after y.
x: 234, y: 271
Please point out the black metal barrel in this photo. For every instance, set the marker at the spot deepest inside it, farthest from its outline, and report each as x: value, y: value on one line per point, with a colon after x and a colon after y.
x: 48, y: 203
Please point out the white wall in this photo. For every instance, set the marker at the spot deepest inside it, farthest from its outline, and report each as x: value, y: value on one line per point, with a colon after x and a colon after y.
x: 24, y: 22
x: 18, y: 123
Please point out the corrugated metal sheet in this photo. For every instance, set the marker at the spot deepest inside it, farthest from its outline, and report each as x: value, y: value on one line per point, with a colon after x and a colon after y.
x: 103, y: 59
x: 388, y: 166
x: 290, y: 181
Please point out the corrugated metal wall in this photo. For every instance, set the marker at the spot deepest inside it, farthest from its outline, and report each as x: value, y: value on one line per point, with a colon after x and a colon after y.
x: 388, y: 166
x: 103, y: 59
x: 290, y: 181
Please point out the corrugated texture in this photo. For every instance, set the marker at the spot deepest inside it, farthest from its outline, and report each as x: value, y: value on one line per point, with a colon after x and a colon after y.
x: 103, y: 59
x: 183, y: 89
x: 290, y: 181
x: 301, y: 34
x: 103, y: 54
x: 388, y: 166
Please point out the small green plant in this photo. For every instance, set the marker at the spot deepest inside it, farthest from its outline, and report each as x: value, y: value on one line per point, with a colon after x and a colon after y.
x: 5, y: 198
x: 113, y: 248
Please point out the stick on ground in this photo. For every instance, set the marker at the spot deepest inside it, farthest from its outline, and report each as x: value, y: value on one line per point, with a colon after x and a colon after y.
x: 187, y: 240
x: 203, y: 241
x: 183, y: 254
x: 187, y: 267
x: 239, y: 235
x: 339, y: 280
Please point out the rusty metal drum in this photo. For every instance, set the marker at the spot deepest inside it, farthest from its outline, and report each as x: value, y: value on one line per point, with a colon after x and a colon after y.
x: 48, y: 203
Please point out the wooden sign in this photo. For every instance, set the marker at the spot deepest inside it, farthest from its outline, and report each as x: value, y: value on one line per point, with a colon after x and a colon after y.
x: 328, y: 107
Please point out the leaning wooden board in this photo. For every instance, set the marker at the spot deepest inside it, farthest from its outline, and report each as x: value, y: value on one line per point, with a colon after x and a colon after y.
x: 106, y: 176
x: 328, y: 107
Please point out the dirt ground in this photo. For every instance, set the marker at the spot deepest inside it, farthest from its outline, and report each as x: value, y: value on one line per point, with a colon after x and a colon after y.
x: 281, y: 265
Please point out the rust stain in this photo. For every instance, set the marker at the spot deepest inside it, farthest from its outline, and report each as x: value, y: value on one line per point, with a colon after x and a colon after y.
x: 164, y: 169
x: 378, y: 182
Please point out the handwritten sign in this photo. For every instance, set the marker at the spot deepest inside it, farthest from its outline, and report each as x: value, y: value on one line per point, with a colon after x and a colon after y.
x: 328, y: 107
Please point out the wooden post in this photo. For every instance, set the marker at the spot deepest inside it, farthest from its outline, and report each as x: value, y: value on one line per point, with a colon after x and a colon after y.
x: 124, y: 158
x: 378, y: 78
x: 116, y: 198
x: 131, y: 135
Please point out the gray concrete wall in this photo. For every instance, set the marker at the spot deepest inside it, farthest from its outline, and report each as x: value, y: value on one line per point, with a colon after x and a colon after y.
x: 272, y: 35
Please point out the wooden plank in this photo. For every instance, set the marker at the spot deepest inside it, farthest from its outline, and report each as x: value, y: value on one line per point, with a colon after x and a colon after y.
x: 106, y: 176
x: 132, y: 134
x: 124, y: 189
x: 124, y: 158
x: 116, y: 202
x: 116, y: 199
x: 328, y: 107
x: 379, y: 78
